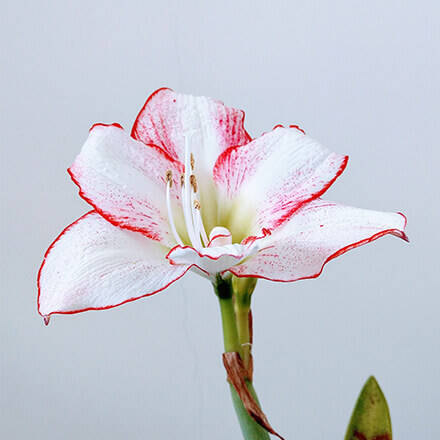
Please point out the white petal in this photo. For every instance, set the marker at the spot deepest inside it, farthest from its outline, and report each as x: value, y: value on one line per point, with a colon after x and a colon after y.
x: 219, y: 236
x: 167, y: 118
x: 212, y: 260
x: 125, y: 181
x: 94, y: 265
x: 274, y: 175
x: 317, y: 233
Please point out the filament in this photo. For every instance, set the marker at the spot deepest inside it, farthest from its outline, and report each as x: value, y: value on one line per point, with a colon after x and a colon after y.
x: 170, y: 215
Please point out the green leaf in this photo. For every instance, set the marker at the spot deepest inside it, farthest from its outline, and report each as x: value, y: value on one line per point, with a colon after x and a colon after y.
x: 371, y: 417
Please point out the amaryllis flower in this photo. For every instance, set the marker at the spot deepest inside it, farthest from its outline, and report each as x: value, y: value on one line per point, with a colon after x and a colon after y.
x: 189, y: 189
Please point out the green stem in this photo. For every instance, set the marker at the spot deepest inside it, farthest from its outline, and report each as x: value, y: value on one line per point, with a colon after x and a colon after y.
x: 232, y: 337
x: 230, y: 333
x: 250, y: 429
x: 243, y: 288
x: 242, y: 316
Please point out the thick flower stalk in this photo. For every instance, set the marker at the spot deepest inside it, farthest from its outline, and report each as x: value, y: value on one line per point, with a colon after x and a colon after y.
x: 188, y: 189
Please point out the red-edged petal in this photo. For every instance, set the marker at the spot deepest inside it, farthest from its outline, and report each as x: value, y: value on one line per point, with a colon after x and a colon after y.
x: 219, y: 236
x: 125, y: 181
x: 93, y: 265
x: 275, y: 174
x: 212, y: 260
x: 317, y: 233
x: 167, y: 117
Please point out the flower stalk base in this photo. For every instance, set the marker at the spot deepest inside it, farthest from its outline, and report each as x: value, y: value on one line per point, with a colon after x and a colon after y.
x: 249, y: 427
x: 237, y: 336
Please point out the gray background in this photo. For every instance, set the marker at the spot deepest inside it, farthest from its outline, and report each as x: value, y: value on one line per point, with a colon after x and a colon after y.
x: 362, y: 77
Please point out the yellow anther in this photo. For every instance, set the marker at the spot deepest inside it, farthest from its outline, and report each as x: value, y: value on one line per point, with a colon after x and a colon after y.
x: 182, y: 179
x: 169, y: 177
x: 193, y: 182
x: 192, y: 161
x: 196, y: 204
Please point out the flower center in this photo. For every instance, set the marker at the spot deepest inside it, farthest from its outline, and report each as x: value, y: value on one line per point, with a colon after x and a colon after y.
x: 190, y: 204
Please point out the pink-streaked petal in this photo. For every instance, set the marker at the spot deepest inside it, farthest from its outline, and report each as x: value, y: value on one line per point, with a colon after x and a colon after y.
x: 276, y: 174
x: 167, y: 117
x: 317, y: 233
x: 93, y: 265
x: 211, y: 260
x: 125, y: 181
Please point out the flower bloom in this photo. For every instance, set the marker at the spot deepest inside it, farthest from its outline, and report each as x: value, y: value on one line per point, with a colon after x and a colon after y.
x: 189, y: 189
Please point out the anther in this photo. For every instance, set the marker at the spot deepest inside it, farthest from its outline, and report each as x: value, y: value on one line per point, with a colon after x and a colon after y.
x: 196, y: 204
x: 169, y: 177
x: 192, y: 161
x: 193, y: 182
x: 182, y: 179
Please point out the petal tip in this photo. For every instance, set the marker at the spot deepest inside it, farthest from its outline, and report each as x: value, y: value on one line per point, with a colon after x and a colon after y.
x: 401, y: 232
x: 297, y: 127
x: 101, y: 124
x: 404, y: 219
x: 133, y: 133
x: 404, y: 237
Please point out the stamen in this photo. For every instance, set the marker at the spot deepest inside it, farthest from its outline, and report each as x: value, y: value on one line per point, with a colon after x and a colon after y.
x: 197, y: 217
x: 194, y: 211
x: 190, y: 205
x: 170, y: 213
x: 187, y: 199
x: 169, y: 177
x: 201, y: 227
x: 193, y: 182
x: 186, y: 215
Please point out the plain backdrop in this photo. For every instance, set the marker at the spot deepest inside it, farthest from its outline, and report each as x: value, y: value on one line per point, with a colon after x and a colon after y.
x: 360, y: 76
